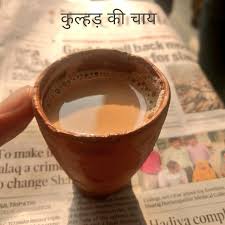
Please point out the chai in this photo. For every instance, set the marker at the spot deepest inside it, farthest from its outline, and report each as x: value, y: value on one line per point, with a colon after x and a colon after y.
x: 110, y: 104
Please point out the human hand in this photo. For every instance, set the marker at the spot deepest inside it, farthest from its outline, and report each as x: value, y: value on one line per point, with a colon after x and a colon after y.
x: 15, y: 114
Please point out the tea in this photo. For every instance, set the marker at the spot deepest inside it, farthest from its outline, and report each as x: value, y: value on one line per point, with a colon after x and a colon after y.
x: 99, y: 107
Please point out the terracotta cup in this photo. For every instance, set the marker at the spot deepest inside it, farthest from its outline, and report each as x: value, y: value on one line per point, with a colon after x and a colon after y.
x: 100, y: 165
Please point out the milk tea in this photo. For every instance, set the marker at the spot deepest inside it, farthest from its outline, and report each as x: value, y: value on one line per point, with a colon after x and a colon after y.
x: 99, y: 107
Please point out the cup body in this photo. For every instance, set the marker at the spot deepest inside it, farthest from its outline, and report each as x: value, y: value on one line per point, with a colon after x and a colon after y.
x: 100, y: 165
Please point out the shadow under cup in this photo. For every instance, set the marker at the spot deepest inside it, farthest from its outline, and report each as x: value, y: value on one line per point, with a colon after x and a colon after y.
x: 102, y: 164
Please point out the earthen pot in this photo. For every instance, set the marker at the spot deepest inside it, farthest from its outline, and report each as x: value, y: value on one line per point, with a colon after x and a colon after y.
x: 100, y: 165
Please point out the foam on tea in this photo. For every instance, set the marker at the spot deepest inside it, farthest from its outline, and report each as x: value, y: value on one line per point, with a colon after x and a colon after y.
x: 100, y: 103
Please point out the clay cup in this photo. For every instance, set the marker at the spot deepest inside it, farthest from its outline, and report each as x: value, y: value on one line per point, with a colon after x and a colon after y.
x: 100, y: 165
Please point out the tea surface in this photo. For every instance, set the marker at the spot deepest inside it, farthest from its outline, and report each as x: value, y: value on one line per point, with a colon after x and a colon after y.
x: 99, y: 107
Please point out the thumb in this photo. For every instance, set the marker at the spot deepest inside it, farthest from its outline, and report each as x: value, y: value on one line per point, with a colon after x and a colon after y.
x: 15, y: 114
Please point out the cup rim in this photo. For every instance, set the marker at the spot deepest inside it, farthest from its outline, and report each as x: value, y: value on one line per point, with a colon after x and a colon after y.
x: 37, y: 102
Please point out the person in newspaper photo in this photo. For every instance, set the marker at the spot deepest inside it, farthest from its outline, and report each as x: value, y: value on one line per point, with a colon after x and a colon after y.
x: 172, y: 175
x: 15, y: 114
x: 149, y: 171
x: 179, y: 152
x: 196, y: 150
x: 203, y: 171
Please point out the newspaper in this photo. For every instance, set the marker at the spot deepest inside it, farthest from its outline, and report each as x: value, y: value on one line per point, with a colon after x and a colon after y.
x: 171, y: 188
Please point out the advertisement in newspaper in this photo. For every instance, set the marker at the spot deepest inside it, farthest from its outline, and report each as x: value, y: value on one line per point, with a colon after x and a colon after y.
x: 181, y: 182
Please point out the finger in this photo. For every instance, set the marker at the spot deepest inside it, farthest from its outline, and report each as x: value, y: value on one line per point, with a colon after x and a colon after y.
x: 15, y: 114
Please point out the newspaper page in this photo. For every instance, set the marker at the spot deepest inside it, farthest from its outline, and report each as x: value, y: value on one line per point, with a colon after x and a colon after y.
x: 181, y: 182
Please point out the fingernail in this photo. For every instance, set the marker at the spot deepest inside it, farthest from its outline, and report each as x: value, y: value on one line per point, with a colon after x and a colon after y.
x: 30, y: 91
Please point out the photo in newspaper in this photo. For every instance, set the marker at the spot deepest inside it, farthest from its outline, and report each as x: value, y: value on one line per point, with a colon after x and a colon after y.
x: 193, y: 89
x: 186, y: 159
